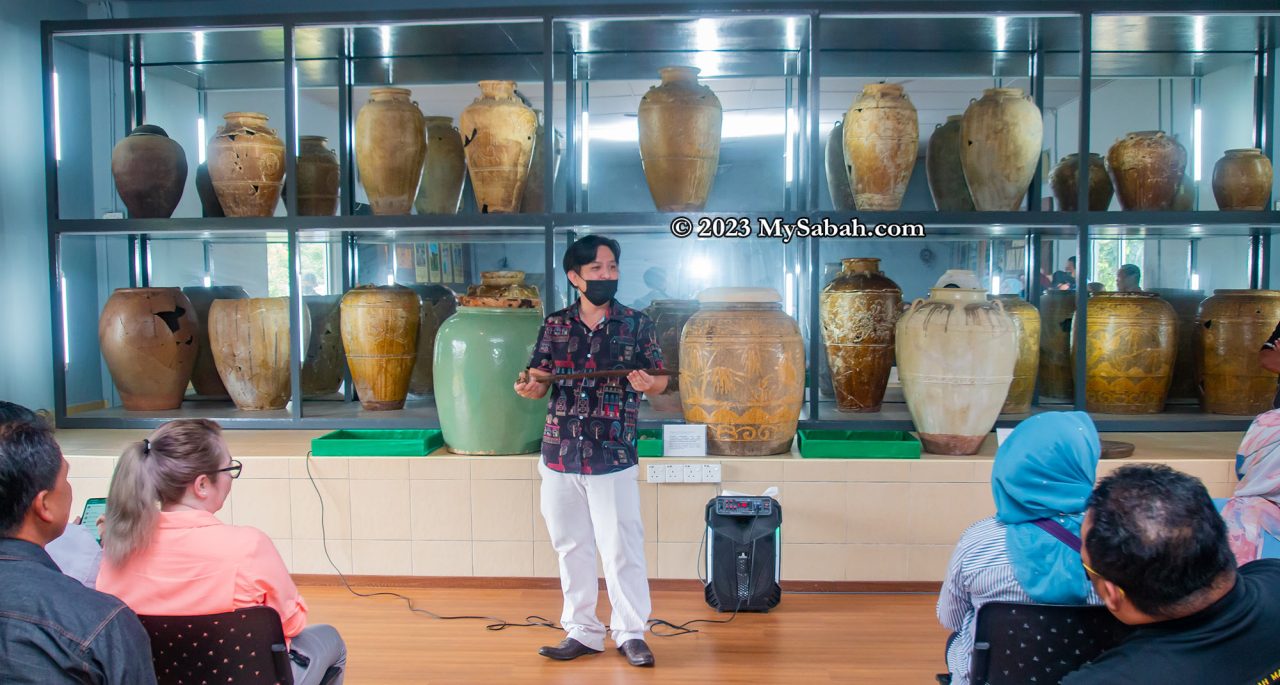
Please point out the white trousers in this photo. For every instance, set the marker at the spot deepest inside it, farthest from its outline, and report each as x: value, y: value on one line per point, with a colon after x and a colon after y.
x: 598, y: 512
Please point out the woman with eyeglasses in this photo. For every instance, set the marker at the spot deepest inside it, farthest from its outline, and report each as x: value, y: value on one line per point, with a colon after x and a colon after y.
x: 167, y: 554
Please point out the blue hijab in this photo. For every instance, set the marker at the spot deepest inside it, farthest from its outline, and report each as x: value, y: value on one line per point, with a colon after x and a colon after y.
x: 1046, y: 469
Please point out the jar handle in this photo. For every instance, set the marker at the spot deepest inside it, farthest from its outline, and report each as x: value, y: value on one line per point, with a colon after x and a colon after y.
x: 916, y: 304
x: 998, y: 305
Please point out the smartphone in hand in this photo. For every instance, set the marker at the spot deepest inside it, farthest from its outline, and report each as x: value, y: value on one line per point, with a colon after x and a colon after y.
x: 93, y: 509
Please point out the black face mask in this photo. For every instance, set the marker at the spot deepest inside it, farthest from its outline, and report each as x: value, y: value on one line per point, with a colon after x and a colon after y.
x: 600, y: 292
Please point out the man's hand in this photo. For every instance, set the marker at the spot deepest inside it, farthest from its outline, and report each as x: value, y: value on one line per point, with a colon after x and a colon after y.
x: 643, y: 382
x: 529, y: 388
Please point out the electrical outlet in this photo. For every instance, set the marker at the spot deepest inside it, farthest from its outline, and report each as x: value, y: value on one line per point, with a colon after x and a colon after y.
x: 674, y: 473
x: 692, y: 473
x: 656, y: 473
x: 710, y: 473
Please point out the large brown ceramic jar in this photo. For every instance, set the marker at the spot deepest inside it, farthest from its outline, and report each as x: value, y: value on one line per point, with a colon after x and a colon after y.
x: 380, y: 337
x: 956, y: 354
x: 859, y: 309
x: 742, y: 372
x: 837, y: 172
x: 319, y: 176
x: 498, y: 130
x: 205, y: 378
x: 325, y: 360
x: 669, y: 318
x: 944, y: 169
x: 1065, y: 182
x: 391, y: 144
x: 680, y: 140
x: 1000, y: 137
x: 825, y: 388
x: 1146, y: 169
x: 501, y: 289
x: 444, y: 170
x: 246, y: 165
x: 437, y: 304
x: 1131, y: 344
x: 1186, y: 304
x: 1242, y: 180
x: 881, y: 143
x: 150, y: 170
x: 1057, y: 312
x: 1023, y: 387
x: 149, y: 338
x: 536, y: 189
x: 1233, y: 325
x: 250, y: 341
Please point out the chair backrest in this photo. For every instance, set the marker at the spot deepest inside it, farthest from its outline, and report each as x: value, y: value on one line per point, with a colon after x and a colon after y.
x: 242, y: 647
x: 1039, y: 643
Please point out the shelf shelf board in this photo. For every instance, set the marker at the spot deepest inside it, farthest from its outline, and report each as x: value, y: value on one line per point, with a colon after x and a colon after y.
x: 1175, y: 418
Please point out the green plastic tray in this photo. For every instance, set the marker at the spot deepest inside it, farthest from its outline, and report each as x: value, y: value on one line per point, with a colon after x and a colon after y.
x: 377, y: 443
x: 649, y: 443
x: 833, y: 444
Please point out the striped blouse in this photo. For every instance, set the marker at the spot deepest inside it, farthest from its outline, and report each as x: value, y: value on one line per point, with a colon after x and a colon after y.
x: 979, y: 573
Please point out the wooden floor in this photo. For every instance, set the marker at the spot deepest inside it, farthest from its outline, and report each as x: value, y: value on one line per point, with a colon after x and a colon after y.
x: 808, y: 639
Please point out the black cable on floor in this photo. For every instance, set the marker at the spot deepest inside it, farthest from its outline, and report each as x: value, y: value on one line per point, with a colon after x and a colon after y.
x: 495, y: 623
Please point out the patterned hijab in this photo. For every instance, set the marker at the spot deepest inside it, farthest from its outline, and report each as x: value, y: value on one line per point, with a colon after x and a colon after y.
x: 1254, y: 511
x: 1046, y: 469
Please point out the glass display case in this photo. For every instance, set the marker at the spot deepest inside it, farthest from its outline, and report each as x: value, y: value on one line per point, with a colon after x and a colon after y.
x: 294, y: 172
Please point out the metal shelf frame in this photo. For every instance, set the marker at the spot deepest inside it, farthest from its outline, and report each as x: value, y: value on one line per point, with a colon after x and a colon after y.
x: 558, y: 66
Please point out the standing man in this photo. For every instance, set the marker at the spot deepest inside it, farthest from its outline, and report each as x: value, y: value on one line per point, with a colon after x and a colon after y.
x: 1129, y: 279
x: 590, y: 493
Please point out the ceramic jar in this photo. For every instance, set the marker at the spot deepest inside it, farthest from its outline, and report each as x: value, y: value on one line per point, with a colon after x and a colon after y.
x: 1233, y: 325
x: 1000, y: 135
x: 956, y: 355
x: 391, y: 145
x: 498, y: 131
x: 1131, y: 344
x: 251, y: 347
x: 1022, y: 389
x: 380, y: 336
x: 445, y: 170
x: 149, y: 339
x: 246, y: 165
x: 1057, y: 313
x: 680, y: 122
x: 944, y: 169
x: 837, y: 172
x: 318, y: 177
x: 881, y: 143
x: 437, y: 304
x: 1064, y: 180
x: 150, y: 170
x: 858, y: 310
x: 1186, y: 304
x: 742, y: 371
x: 1242, y: 180
x: 1146, y: 169
x: 501, y: 289
x: 322, y: 368
x: 669, y: 319
x: 204, y: 377
x: 479, y: 353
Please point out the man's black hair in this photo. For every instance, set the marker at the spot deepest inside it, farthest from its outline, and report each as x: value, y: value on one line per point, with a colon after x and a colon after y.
x: 16, y: 412
x: 29, y: 463
x: 1132, y: 271
x: 1156, y: 534
x: 583, y: 252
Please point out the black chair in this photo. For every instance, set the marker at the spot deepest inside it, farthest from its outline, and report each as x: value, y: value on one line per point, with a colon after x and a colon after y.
x: 1039, y: 643
x: 242, y: 647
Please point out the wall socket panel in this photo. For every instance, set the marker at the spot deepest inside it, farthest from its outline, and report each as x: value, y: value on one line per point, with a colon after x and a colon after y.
x: 683, y: 473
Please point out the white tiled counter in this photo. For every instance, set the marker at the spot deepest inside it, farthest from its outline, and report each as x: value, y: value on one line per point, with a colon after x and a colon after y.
x: 448, y: 515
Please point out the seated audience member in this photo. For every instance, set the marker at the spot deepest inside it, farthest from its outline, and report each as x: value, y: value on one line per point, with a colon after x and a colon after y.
x: 1044, y: 470
x: 1156, y: 551
x: 76, y: 552
x: 1253, y: 513
x: 168, y: 555
x: 52, y: 628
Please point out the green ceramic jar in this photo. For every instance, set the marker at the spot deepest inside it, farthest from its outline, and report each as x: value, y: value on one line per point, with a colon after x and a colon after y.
x: 479, y: 353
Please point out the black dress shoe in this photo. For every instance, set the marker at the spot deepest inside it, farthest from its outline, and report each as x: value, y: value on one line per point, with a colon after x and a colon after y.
x: 637, y: 652
x: 567, y: 650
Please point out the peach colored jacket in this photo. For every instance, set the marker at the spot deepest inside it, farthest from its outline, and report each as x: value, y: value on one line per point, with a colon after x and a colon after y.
x: 197, y: 565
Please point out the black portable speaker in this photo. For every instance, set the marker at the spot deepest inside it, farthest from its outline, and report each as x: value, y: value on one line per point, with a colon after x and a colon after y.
x: 744, y: 553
